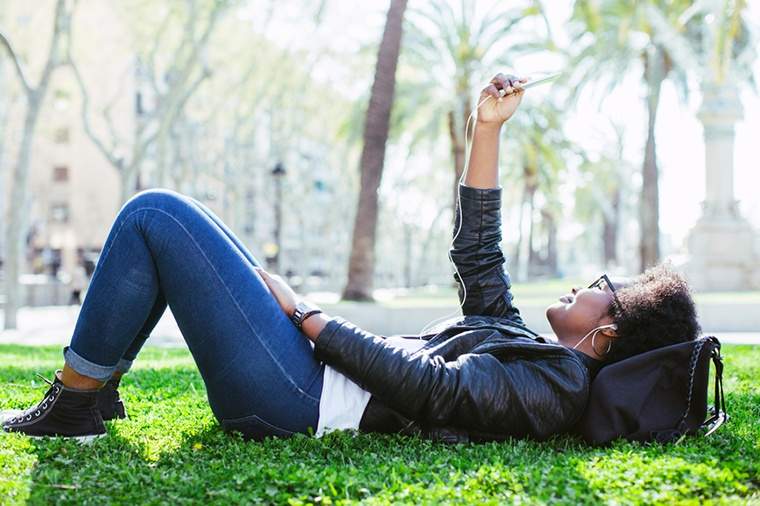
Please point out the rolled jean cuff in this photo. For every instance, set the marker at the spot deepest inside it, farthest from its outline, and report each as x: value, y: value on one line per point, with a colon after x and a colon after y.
x: 87, y: 368
x: 123, y: 365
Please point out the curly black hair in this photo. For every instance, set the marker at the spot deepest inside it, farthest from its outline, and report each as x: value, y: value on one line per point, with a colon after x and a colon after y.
x: 655, y: 310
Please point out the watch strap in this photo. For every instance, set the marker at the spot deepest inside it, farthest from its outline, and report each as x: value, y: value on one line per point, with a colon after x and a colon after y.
x: 302, y: 312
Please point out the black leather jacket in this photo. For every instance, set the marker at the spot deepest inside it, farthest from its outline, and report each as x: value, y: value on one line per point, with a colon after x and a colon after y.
x: 483, y: 376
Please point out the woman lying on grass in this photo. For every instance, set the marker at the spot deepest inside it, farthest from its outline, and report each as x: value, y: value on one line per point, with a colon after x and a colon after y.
x: 268, y: 371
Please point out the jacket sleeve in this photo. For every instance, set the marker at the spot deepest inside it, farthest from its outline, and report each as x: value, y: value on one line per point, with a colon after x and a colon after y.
x: 476, y: 253
x: 476, y: 391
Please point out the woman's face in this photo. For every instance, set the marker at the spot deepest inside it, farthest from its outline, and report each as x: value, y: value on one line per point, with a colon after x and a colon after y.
x: 581, y: 310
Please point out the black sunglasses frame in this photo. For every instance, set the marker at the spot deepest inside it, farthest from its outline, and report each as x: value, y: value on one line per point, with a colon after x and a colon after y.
x: 606, y: 279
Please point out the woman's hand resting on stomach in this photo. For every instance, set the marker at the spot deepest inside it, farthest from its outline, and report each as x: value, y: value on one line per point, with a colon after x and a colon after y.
x: 287, y: 299
x: 285, y: 296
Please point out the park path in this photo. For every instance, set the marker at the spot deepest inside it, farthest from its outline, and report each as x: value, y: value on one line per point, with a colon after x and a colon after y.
x: 54, y: 325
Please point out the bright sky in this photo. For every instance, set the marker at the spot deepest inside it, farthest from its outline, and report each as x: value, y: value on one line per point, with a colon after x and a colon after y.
x: 679, y: 133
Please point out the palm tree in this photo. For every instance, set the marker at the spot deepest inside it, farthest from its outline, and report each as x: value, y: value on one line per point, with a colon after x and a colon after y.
x: 600, y: 197
x: 361, y: 263
x: 622, y: 34
x: 540, y: 150
x: 446, y: 49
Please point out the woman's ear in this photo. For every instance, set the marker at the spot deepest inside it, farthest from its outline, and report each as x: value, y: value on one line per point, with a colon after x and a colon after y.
x: 610, y: 330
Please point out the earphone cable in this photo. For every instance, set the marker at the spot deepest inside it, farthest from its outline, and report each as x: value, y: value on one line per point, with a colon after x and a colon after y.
x: 467, y: 149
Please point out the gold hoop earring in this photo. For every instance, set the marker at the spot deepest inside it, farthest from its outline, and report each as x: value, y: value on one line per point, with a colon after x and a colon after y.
x: 593, y: 346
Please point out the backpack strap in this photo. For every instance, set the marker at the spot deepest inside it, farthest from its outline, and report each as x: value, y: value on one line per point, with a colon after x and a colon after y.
x: 693, y: 361
x: 719, y: 414
x: 718, y: 411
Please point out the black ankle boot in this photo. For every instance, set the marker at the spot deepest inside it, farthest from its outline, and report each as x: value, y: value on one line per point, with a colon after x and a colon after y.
x: 62, y: 412
x: 109, y: 403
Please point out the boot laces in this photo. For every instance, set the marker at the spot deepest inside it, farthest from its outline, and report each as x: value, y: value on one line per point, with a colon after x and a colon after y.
x: 37, y: 409
x: 43, y: 378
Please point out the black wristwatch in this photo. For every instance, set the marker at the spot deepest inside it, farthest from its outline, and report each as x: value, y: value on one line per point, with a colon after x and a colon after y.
x: 303, y: 310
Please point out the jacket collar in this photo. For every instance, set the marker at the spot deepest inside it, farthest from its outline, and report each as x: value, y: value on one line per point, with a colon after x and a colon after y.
x: 593, y: 365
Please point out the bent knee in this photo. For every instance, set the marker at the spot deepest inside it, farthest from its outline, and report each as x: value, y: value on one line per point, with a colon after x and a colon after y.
x: 154, y: 197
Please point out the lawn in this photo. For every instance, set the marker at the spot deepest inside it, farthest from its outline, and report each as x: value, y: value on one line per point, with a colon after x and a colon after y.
x: 170, y: 451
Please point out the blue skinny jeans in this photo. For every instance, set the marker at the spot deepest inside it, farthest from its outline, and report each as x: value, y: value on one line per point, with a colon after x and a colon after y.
x: 260, y: 373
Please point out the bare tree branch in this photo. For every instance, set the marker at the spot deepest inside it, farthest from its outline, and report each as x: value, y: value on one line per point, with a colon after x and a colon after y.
x: 61, y: 23
x: 15, y: 230
x: 170, y: 105
x: 16, y: 63
x: 106, y: 112
x: 150, y: 68
x: 85, y: 113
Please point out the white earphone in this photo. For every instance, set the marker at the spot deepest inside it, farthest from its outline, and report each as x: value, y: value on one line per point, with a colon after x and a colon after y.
x: 612, y: 326
x: 467, y: 147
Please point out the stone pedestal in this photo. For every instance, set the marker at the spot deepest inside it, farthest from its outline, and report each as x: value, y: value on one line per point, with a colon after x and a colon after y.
x: 722, y: 244
x: 722, y: 256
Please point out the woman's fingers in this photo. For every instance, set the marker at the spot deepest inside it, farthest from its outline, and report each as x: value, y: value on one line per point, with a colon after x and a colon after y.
x: 264, y: 273
x: 265, y: 276
x: 500, y: 82
x: 492, y: 90
x: 507, y: 82
x: 268, y: 278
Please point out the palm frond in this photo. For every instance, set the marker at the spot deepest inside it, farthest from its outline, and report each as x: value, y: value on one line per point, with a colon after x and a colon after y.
x: 672, y: 40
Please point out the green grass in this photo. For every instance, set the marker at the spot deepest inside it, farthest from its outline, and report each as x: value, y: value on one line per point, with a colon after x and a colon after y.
x: 170, y: 451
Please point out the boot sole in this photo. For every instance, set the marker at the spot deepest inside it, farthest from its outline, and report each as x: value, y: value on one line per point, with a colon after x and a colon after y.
x: 86, y: 439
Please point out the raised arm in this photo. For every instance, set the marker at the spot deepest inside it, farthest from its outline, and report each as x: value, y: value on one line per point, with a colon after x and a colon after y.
x: 484, y: 284
x: 483, y: 167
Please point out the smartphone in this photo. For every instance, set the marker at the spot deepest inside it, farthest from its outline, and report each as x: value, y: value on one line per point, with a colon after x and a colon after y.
x: 541, y: 80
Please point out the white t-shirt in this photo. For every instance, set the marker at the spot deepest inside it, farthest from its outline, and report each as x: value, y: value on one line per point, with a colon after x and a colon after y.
x: 343, y: 402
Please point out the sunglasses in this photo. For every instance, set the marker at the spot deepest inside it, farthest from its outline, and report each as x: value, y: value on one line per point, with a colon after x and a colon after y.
x: 604, y: 281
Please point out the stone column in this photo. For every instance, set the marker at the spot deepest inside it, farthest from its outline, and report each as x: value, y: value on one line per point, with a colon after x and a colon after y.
x: 721, y: 244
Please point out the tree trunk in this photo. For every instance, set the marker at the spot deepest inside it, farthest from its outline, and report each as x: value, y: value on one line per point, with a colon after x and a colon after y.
x: 551, y: 244
x: 422, y: 259
x: 458, y: 137
x: 457, y: 154
x: 408, y: 234
x: 130, y: 178
x: 15, y: 236
x: 14, y: 233
x: 530, y: 259
x: 649, y: 246
x: 526, y: 225
x: 610, y: 231
x: 518, y: 256
x: 361, y: 265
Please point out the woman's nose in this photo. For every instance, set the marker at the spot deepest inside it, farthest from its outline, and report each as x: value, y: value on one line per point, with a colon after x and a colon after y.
x: 575, y: 289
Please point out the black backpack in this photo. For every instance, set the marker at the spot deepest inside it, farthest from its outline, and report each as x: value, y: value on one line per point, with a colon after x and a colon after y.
x: 660, y: 395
